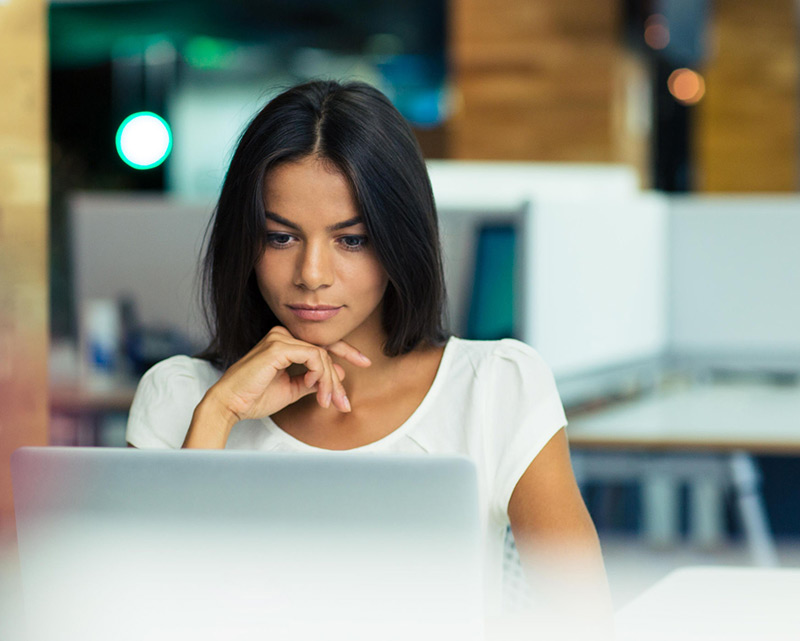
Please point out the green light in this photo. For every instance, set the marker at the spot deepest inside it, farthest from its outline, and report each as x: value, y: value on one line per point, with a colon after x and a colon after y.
x: 144, y: 140
x: 210, y: 53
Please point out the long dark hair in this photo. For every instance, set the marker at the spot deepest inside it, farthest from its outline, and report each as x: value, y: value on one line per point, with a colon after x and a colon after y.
x: 356, y: 128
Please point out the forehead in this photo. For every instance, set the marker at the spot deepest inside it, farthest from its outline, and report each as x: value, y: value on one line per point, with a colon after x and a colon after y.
x: 308, y: 189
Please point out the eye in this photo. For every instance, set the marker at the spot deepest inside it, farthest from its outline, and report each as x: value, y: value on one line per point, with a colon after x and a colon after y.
x: 353, y: 243
x: 279, y: 239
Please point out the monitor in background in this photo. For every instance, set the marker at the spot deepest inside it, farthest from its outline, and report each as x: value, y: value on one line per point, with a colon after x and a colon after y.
x: 491, y: 305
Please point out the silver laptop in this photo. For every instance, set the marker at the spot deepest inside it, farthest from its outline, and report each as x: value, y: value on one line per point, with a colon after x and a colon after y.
x: 149, y: 545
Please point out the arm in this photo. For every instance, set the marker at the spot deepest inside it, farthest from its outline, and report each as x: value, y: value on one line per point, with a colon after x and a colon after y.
x: 211, y: 425
x: 559, y: 547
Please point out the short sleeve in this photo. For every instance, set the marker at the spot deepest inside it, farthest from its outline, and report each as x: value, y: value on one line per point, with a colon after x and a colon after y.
x: 164, y: 403
x: 524, y: 413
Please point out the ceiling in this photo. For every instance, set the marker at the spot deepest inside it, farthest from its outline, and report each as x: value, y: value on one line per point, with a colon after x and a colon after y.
x: 86, y: 33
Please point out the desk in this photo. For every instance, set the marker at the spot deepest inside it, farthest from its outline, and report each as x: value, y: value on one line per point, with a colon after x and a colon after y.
x: 715, y: 604
x: 88, y: 405
x: 705, y: 434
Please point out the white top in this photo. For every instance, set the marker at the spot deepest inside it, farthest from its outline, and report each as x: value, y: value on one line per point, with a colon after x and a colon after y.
x: 495, y: 402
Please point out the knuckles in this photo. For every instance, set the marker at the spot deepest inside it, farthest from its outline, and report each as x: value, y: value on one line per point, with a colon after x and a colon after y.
x: 275, y: 343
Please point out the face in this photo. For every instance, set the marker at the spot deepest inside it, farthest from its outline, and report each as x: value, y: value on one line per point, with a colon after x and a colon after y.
x: 319, y: 273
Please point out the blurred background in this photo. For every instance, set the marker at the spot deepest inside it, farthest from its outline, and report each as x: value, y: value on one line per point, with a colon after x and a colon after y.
x: 663, y: 133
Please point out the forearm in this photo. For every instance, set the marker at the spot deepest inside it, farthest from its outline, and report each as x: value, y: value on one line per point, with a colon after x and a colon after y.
x: 211, y: 425
x: 569, y: 587
x: 559, y: 548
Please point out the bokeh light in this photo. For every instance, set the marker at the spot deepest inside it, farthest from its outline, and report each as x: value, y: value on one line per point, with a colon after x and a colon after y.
x: 656, y: 31
x: 144, y: 140
x: 686, y: 86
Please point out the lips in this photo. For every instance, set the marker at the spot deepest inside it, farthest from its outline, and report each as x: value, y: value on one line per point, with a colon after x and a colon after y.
x: 314, y: 312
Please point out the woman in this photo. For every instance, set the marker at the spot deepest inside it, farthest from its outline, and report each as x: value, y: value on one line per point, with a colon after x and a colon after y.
x: 326, y: 295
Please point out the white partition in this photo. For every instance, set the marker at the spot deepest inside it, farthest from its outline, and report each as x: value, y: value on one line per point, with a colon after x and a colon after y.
x: 471, y: 193
x: 594, y: 278
x: 735, y: 275
x: 146, y: 247
x: 591, y: 284
x: 473, y: 185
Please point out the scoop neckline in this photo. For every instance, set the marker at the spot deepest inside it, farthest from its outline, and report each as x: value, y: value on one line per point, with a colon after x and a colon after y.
x: 444, y: 364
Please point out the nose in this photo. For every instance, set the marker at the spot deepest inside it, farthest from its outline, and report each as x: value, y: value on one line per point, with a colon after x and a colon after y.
x: 314, y: 267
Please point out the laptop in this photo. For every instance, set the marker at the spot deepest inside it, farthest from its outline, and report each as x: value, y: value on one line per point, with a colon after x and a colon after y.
x: 118, y: 543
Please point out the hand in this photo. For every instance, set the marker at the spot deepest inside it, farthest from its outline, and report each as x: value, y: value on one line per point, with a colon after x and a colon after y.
x: 259, y: 384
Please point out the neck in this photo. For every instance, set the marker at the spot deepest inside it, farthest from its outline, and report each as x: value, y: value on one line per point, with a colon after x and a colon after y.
x: 367, y: 382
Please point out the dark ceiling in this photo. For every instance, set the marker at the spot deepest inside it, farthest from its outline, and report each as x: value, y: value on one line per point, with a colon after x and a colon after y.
x: 84, y: 34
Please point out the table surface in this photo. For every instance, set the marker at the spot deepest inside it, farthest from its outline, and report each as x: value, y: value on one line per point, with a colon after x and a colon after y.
x: 759, y: 418
x: 716, y: 604
x: 75, y: 397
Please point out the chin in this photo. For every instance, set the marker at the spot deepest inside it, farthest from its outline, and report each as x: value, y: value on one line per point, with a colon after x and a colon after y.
x: 315, y: 334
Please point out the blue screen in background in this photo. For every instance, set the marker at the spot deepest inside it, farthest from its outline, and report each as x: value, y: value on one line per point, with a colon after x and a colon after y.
x: 491, y: 304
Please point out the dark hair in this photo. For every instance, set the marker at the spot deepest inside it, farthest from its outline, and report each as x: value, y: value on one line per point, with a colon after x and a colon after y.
x: 355, y: 128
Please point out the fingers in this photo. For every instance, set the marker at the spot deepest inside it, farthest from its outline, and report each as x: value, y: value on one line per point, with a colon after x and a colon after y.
x: 336, y: 394
x: 322, y: 372
x: 325, y: 385
x: 339, y: 348
x: 310, y: 378
x: 340, y: 399
x: 325, y: 375
x: 349, y: 353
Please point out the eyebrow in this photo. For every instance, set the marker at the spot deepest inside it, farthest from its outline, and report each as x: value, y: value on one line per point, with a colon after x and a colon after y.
x: 288, y: 223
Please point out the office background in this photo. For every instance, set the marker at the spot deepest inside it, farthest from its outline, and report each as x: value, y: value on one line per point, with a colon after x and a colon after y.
x: 693, y: 97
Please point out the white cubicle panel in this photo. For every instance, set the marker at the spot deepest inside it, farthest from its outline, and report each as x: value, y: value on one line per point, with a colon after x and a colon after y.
x: 735, y: 275
x: 471, y: 193
x: 145, y: 247
x: 594, y: 281
x: 504, y: 185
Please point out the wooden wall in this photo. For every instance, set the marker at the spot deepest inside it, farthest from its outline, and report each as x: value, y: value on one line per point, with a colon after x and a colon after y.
x: 23, y: 234
x: 747, y: 133
x: 550, y: 81
x: 534, y: 79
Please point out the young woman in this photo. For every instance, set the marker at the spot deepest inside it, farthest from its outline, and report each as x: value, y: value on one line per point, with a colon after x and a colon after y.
x: 326, y: 298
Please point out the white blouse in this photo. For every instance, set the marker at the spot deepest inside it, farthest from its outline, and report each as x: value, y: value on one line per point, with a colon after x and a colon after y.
x: 495, y: 402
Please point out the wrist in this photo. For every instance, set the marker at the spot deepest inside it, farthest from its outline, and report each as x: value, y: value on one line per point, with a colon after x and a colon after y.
x: 211, y: 424
x: 213, y: 407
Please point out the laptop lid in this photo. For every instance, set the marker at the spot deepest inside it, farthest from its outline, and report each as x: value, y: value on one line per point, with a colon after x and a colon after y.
x: 142, y: 544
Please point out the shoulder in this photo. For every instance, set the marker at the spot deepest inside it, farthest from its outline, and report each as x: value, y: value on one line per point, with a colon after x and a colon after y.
x: 502, y: 372
x: 504, y: 355
x: 175, y: 378
x: 510, y: 376
x: 165, y: 399
x: 512, y: 349
x: 182, y: 366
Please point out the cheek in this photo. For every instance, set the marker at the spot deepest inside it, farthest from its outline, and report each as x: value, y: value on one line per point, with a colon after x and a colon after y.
x: 383, y: 283
x: 379, y: 289
x: 265, y: 277
x: 372, y: 279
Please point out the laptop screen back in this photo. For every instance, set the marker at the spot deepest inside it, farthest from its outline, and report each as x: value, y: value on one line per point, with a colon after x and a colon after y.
x: 134, y: 544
